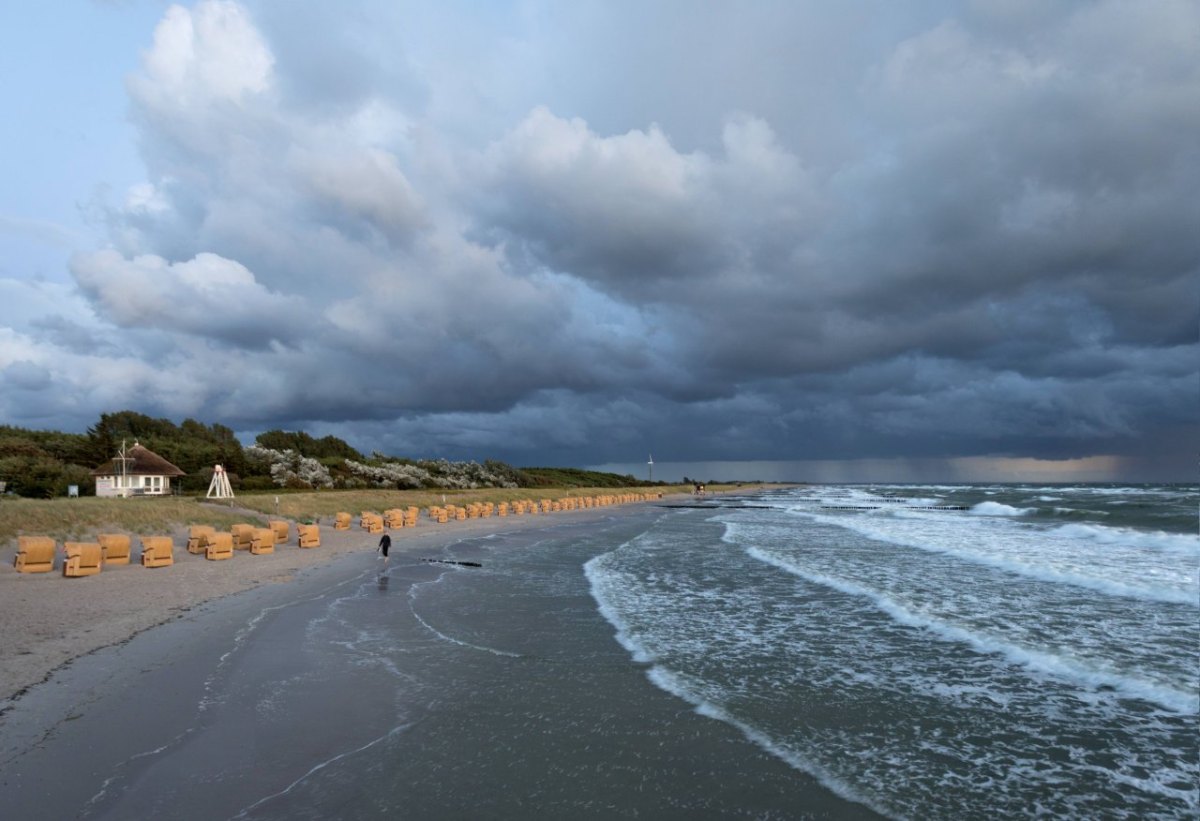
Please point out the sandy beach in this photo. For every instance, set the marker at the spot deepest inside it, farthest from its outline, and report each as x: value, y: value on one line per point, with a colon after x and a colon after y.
x: 53, y: 620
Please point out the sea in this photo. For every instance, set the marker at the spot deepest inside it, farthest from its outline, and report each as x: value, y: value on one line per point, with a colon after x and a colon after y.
x: 866, y: 651
x: 936, y: 651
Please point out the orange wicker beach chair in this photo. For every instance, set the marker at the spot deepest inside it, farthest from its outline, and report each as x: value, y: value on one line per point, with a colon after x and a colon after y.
x: 35, y: 554
x: 218, y: 546
x: 242, y: 534
x: 197, y: 536
x: 308, y: 536
x: 82, y: 559
x: 263, y: 541
x: 157, y: 551
x: 282, y: 530
x: 114, y: 548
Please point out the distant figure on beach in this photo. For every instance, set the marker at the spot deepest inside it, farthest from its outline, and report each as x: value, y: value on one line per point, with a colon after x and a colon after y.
x: 385, y: 544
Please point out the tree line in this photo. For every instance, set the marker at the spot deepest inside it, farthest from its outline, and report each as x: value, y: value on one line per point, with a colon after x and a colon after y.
x: 42, y: 464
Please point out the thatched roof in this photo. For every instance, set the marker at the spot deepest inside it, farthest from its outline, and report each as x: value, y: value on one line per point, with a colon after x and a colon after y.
x: 142, y: 462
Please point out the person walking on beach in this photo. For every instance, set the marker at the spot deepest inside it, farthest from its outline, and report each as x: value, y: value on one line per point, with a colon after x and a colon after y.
x: 385, y: 544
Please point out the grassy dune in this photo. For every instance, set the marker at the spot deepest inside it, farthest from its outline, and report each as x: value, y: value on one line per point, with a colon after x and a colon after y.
x: 82, y: 519
x: 78, y: 519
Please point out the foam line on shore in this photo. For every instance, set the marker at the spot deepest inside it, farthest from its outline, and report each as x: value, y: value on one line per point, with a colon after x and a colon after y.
x: 413, y: 609
x: 318, y: 767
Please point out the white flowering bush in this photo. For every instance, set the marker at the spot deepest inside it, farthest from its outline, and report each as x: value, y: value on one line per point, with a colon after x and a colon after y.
x: 289, y: 469
x: 390, y: 474
x: 439, y: 473
x: 465, y: 475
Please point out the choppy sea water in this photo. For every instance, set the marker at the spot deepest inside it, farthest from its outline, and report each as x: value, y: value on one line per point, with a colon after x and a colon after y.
x: 937, y: 651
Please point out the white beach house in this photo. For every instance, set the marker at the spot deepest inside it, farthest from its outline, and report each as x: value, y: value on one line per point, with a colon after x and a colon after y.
x: 139, y: 472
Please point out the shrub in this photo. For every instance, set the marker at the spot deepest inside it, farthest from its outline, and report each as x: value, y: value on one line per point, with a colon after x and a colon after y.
x: 288, y: 467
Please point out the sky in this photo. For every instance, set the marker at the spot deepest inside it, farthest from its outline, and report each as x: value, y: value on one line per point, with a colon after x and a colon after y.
x: 853, y: 241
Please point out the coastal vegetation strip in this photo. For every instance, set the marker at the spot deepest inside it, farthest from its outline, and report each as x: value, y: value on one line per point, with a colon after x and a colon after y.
x: 45, y: 464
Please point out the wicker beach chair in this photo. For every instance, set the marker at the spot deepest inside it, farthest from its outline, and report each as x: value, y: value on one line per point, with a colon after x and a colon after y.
x: 341, y: 521
x: 308, y: 536
x: 157, y: 551
x: 114, y: 548
x: 242, y: 534
x: 218, y: 546
x: 197, y: 537
x: 35, y: 554
x: 282, y: 530
x: 393, y: 517
x: 263, y: 541
x: 82, y: 559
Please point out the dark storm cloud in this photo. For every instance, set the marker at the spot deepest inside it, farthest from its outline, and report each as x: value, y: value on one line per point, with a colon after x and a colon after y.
x: 773, y: 231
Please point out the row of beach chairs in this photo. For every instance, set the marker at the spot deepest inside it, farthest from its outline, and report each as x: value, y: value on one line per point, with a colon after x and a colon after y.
x: 36, y: 554
x: 395, y: 518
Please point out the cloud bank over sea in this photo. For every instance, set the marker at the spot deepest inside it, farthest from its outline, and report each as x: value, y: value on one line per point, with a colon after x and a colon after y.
x: 579, y: 233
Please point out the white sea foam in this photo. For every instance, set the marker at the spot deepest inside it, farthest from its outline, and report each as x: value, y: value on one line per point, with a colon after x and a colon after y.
x: 1079, y: 511
x: 1027, y: 552
x: 1183, y: 543
x: 998, y: 509
x: 1130, y: 685
x: 602, y: 584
